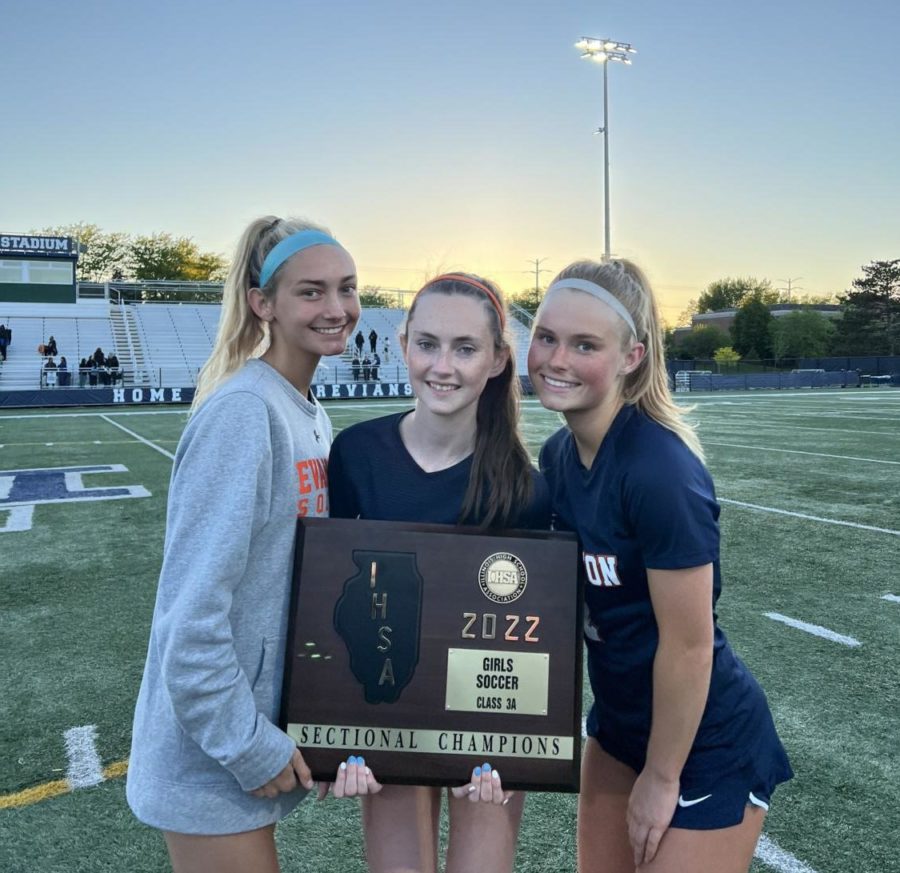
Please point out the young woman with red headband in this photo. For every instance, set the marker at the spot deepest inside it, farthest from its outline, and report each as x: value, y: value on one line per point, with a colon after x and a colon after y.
x: 456, y: 458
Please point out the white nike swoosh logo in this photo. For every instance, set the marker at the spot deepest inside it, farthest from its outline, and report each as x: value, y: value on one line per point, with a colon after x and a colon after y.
x: 685, y: 803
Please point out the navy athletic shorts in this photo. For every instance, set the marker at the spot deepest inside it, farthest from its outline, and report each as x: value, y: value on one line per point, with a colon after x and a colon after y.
x: 709, y: 801
x: 714, y: 801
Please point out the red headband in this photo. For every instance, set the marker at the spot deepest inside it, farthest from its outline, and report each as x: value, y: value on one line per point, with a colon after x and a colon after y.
x: 465, y: 280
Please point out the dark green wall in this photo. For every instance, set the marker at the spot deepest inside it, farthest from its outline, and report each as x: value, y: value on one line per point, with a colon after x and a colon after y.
x: 14, y: 293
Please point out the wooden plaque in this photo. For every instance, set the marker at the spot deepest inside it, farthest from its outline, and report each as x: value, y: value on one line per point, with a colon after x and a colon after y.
x: 430, y: 649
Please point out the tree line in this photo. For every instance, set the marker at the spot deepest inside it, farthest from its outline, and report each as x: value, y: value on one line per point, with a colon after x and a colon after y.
x: 868, y: 322
x: 122, y: 257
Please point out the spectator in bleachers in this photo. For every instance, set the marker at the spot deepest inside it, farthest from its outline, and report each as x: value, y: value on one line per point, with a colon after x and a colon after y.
x: 92, y: 372
x: 355, y: 364
x: 63, y: 373
x: 100, y: 371
x: 376, y: 363
x: 83, y: 369
x: 360, y: 341
x: 115, y: 372
x: 50, y: 348
x: 386, y: 350
x: 50, y: 373
x: 373, y: 340
x: 4, y: 340
x: 366, y: 368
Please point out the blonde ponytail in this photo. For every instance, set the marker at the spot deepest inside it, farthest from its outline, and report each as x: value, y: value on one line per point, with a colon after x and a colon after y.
x: 241, y: 335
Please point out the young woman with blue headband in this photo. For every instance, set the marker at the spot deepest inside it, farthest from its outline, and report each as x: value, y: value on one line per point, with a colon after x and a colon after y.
x: 209, y: 767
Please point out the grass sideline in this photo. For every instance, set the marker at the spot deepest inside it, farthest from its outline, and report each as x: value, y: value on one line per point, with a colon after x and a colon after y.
x: 79, y: 588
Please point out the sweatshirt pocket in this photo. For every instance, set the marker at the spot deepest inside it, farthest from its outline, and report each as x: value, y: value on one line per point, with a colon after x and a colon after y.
x: 264, y: 685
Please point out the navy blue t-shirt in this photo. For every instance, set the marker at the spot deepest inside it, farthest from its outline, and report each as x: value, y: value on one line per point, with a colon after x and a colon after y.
x: 649, y: 502
x: 372, y: 475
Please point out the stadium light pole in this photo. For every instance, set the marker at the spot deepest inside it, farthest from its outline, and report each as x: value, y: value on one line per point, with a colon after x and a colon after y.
x: 602, y: 51
x: 790, y: 286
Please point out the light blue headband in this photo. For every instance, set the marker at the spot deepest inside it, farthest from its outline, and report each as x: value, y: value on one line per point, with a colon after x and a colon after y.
x: 597, y: 291
x: 290, y: 245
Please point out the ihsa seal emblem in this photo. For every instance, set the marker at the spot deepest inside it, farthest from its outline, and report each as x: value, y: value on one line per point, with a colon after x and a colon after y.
x: 502, y: 577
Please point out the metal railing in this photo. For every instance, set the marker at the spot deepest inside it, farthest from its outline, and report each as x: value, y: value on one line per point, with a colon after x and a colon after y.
x: 177, y: 377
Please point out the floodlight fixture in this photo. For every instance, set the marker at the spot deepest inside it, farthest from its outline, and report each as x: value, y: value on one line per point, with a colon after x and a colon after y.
x: 600, y: 51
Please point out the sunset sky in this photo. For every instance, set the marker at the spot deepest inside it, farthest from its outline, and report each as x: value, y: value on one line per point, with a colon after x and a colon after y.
x: 752, y: 139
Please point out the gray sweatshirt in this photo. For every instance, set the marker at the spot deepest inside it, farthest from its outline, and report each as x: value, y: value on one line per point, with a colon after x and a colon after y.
x: 250, y: 461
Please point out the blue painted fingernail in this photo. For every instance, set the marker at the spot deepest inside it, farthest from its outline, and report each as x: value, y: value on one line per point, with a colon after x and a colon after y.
x: 361, y: 761
x: 351, y: 759
x: 486, y: 767
x: 477, y: 771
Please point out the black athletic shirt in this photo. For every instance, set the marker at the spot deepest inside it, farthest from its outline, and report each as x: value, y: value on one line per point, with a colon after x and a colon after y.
x: 372, y: 475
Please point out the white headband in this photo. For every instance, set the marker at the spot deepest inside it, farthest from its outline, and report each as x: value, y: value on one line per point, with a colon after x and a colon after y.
x: 597, y: 291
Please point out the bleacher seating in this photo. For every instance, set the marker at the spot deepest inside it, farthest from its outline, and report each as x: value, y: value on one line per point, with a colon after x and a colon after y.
x: 171, y: 341
x: 78, y: 329
x: 176, y: 339
x: 521, y: 336
x: 386, y: 323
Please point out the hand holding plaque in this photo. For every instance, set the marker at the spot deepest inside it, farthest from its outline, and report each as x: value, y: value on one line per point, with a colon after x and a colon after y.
x: 429, y: 649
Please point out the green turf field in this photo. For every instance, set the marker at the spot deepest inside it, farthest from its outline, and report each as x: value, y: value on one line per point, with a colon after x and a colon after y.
x: 810, y: 487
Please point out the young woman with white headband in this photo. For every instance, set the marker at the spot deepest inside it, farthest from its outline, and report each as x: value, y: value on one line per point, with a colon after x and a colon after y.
x: 682, y: 755
x: 209, y: 766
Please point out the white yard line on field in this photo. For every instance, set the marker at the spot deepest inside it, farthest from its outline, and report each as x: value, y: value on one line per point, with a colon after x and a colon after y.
x: 328, y: 404
x: 822, y: 394
x: 770, y: 854
x: 18, y: 518
x: 801, y: 411
x: 138, y: 437
x: 793, y: 427
x: 811, y: 402
x: 799, y: 452
x: 72, y: 443
x: 84, y: 768
x: 815, y: 629
x: 846, y: 415
x: 892, y: 597
x: 182, y: 411
x: 837, y: 521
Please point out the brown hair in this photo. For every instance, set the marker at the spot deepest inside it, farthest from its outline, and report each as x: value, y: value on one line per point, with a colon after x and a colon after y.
x: 500, y: 480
